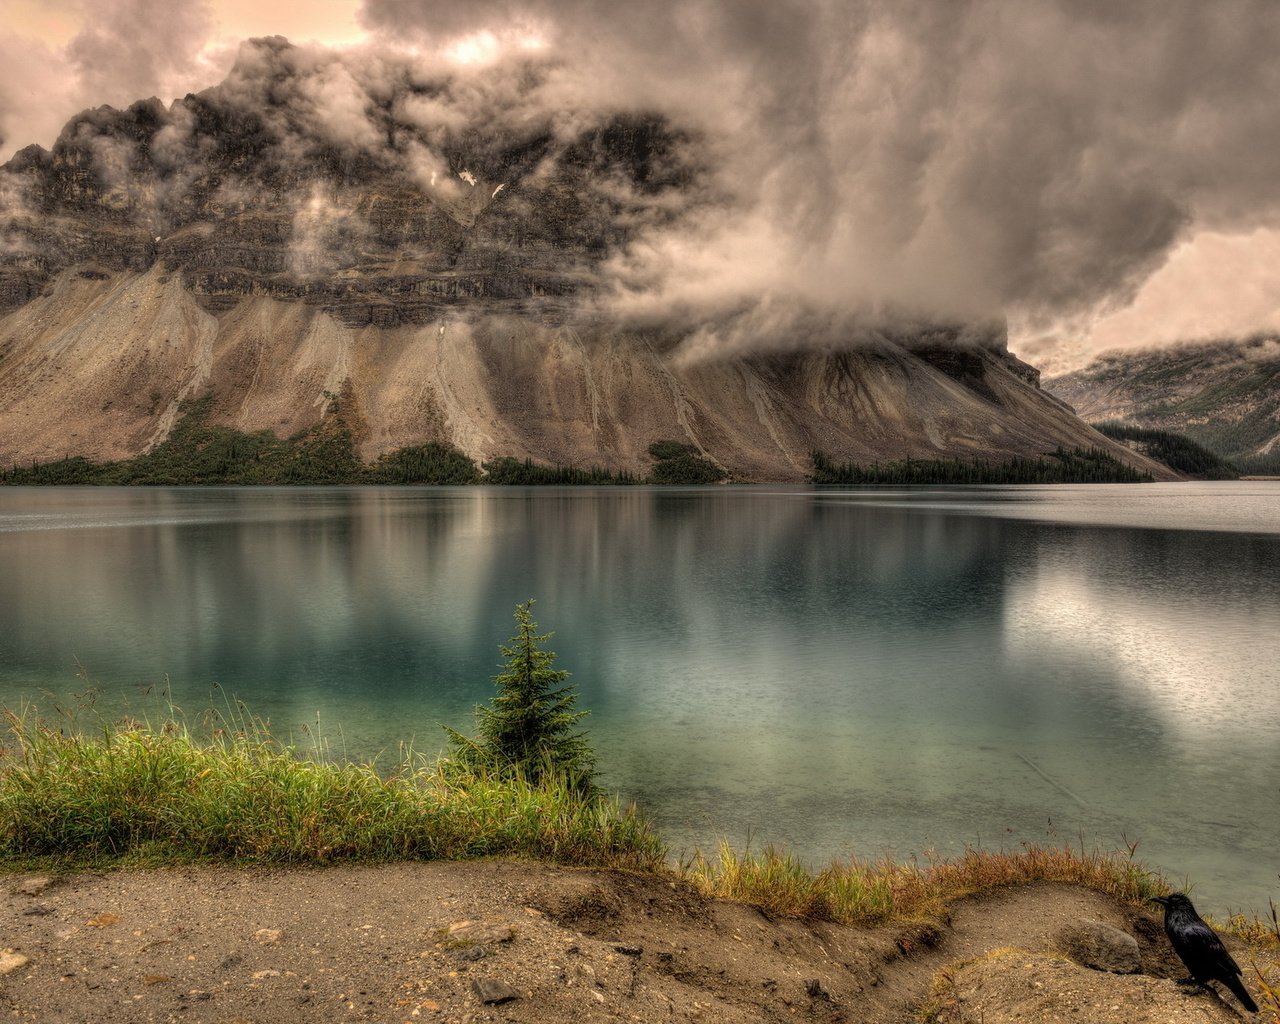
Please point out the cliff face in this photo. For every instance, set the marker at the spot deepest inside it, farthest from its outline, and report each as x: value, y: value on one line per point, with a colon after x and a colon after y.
x: 1225, y: 395
x: 449, y: 281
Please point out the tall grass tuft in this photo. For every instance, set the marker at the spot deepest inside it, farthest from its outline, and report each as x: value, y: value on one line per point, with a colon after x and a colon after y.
x: 1263, y: 937
x: 136, y: 793
x: 872, y: 892
x: 777, y: 883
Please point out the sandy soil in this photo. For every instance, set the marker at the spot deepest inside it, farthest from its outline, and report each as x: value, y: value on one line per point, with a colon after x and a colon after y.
x: 502, y: 941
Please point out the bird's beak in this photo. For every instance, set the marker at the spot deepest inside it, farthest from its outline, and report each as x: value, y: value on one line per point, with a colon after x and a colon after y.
x: 1162, y: 900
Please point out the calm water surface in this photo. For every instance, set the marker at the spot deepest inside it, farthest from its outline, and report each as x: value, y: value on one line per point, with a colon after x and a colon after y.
x: 843, y: 672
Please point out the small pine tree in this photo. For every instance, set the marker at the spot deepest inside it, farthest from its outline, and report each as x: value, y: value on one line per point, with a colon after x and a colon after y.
x: 529, y: 725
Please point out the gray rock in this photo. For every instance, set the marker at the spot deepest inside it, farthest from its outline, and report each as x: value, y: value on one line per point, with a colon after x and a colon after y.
x: 1100, y: 946
x: 493, y: 991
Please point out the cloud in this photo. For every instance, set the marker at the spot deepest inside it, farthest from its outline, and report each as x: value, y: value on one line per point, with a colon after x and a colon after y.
x: 1213, y: 286
x: 125, y: 50
x: 327, y: 236
x: 36, y: 93
x: 839, y: 162
x: 967, y: 158
x: 129, y: 49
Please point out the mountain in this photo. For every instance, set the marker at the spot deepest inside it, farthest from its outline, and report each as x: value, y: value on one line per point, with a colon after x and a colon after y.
x: 442, y: 264
x: 1223, y: 394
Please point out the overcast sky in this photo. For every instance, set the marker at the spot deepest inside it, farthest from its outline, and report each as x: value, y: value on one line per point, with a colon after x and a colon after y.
x: 1103, y: 174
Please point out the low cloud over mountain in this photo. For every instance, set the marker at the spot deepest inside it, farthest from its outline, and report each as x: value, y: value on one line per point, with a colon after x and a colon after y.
x: 858, y: 160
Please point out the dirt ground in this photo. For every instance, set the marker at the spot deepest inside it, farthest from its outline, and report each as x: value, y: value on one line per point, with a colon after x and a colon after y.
x: 503, y: 941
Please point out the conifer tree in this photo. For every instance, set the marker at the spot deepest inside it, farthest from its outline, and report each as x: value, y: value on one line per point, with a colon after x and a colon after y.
x: 530, y: 725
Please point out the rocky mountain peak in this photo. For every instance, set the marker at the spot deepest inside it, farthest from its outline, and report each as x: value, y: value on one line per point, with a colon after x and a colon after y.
x: 290, y: 172
x: 452, y: 253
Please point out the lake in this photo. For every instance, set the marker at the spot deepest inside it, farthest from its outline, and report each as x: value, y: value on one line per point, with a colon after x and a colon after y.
x: 841, y: 672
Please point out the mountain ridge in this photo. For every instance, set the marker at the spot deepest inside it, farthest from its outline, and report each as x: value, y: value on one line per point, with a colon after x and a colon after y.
x: 455, y: 278
x: 1223, y: 394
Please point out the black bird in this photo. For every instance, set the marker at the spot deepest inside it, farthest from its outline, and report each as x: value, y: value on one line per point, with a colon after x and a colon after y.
x: 1199, y: 948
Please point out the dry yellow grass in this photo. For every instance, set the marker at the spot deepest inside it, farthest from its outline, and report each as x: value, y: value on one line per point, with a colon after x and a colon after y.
x: 871, y: 892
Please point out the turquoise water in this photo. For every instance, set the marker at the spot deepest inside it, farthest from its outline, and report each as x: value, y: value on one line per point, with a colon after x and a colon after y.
x: 843, y: 672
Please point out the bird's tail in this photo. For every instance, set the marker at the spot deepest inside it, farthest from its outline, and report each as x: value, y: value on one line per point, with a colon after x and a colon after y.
x: 1234, y: 983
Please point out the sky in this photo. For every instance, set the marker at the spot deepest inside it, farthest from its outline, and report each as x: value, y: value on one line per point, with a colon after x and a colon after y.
x: 1101, y: 175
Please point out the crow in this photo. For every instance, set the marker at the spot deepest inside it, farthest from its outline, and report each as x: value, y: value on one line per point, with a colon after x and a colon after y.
x: 1200, y: 948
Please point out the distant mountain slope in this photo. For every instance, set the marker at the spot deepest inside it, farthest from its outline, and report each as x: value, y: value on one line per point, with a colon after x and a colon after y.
x: 1224, y: 394
x: 445, y: 265
x: 1175, y: 450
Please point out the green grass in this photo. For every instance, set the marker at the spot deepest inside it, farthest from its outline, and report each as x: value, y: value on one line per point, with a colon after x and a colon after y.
x: 130, y: 793
x: 135, y: 794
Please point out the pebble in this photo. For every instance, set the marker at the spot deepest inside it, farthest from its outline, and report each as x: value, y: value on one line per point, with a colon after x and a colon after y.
x: 11, y: 961
x: 34, y: 886
x: 268, y: 936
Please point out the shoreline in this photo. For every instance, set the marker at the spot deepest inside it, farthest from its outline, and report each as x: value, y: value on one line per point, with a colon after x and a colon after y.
x: 501, y: 940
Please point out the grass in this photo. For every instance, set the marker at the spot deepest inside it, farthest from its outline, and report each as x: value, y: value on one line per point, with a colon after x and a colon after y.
x: 873, y: 892
x: 1262, y: 972
x: 136, y: 794
x: 132, y: 793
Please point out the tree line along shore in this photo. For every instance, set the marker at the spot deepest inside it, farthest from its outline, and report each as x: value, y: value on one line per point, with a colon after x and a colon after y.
x: 197, y: 453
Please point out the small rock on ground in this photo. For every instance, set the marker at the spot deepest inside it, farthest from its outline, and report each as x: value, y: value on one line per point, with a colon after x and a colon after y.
x: 494, y: 991
x: 11, y: 961
x: 1100, y: 946
x: 480, y: 931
